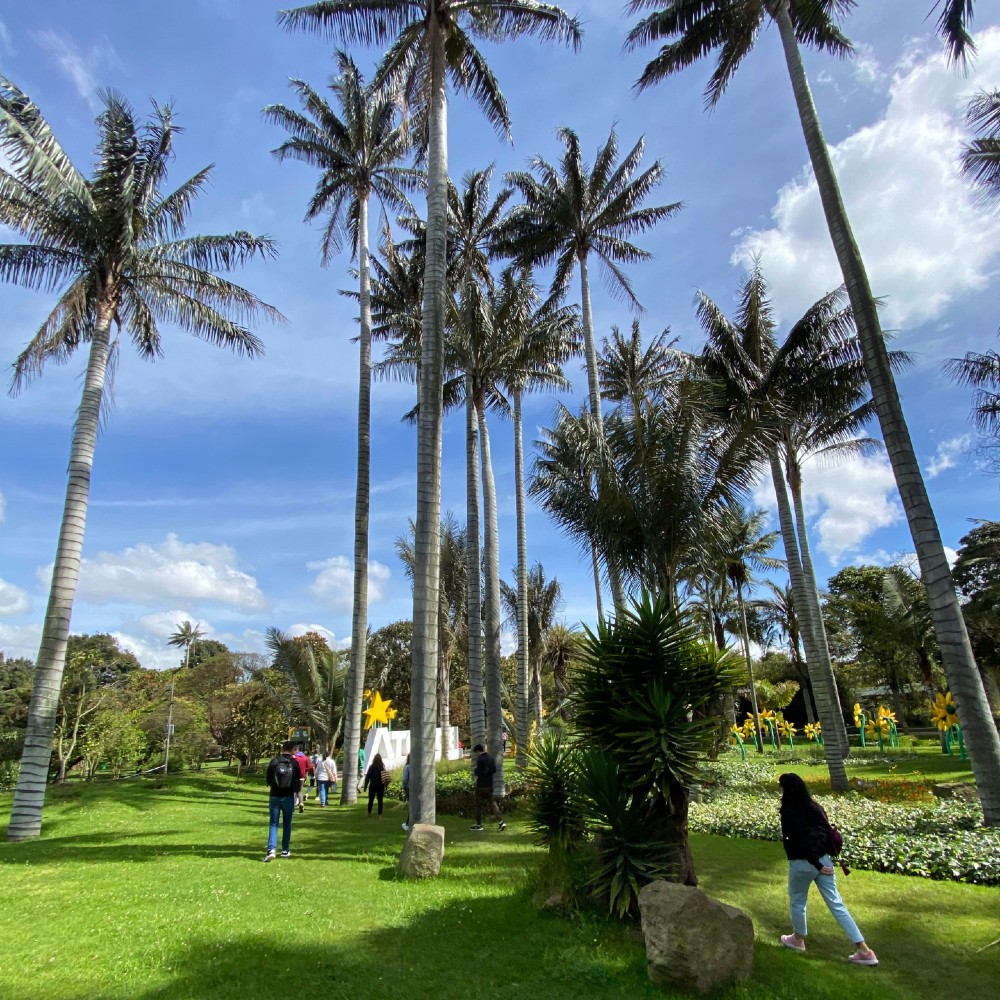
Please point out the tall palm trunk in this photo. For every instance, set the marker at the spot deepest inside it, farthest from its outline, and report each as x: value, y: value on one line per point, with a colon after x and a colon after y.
x: 474, y: 564
x: 821, y: 675
x: 523, y: 679
x: 815, y: 620
x: 29, y: 796
x: 491, y: 647
x: 966, y: 684
x: 427, y: 541
x: 745, y: 631
x: 355, y: 684
x: 594, y: 395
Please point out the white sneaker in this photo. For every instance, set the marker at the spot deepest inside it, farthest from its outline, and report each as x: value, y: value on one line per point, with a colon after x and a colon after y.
x: 406, y: 827
x: 270, y: 856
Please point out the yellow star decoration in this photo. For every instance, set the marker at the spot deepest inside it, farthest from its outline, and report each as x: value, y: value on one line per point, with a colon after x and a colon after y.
x: 390, y: 713
x: 944, y: 713
x: 376, y: 711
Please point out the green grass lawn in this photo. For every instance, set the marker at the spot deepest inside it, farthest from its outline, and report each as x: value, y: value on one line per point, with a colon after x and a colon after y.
x: 137, y: 892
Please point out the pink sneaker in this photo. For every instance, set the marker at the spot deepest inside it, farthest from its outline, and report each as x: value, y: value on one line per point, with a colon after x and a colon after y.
x: 864, y: 958
x: 790, y: 941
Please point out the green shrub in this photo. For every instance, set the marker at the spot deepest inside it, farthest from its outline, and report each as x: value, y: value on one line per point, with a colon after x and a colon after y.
x: 552, y: 783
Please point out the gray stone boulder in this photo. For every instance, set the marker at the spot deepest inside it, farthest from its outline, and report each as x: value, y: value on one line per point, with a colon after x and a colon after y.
x: 964, y: 790
x: 423, y: 851
x: 694, y: 942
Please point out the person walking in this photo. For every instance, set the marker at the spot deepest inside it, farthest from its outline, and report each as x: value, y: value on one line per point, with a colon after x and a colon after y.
x: 326, y: 776
x: 283, y: 782
x: 304, y: 765
x: 484, y: 767
x: 375, y: 783
x: 805, y: 833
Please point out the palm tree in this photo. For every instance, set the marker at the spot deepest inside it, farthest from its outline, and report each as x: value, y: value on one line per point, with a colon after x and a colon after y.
x: 114, y: 248
x: 571, y: 211
x: 186, y: 635
x: 429, y: 42
x: 316, y: 675
x: 358, y: 154
x: 544, y: 335
x: 698, y: 27
x: 544, y: 600
x: 804, y: 395
x: 560, y: 648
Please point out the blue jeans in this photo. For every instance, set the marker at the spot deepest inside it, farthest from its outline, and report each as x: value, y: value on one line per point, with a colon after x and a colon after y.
x: 801, y: 875
x: 280, y: 807
x: 325, y: 787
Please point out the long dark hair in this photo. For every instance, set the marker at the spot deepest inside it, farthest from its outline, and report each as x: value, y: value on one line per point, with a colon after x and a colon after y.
x: 795, y: 797
x: 377, y: 762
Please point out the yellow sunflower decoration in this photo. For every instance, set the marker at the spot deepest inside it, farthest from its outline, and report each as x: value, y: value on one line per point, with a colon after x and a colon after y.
x: 786, y: 728
x: 944, y: 712
x: 859, y: 714
x: 812, y: 731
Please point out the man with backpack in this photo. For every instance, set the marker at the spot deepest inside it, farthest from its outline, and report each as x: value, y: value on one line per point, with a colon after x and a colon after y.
x: 284, y: 780
x: 484, y: 769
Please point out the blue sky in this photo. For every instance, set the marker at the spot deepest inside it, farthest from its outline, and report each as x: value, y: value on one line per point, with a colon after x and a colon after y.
x: 223, y: 488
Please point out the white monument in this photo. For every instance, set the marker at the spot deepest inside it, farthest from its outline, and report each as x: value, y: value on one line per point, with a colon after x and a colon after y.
x: 394, y: 745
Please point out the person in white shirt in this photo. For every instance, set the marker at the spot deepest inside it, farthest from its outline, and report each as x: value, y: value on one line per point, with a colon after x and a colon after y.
x: 326, y: 776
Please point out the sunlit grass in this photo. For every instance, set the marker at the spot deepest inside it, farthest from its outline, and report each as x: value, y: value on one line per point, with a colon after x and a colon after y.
x: 138, y: 891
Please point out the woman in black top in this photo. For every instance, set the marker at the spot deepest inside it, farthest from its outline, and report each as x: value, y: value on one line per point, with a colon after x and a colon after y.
x: 805, y: 834
x: 373, y: 782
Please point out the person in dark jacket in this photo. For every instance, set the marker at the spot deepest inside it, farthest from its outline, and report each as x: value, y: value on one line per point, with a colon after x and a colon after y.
x: 805, y: 832
x: 373, y: 782
x: 484, y: 768
x: 284, y: 781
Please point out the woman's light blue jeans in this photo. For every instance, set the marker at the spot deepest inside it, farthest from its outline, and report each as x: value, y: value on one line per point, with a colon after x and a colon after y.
x: 801, y: 875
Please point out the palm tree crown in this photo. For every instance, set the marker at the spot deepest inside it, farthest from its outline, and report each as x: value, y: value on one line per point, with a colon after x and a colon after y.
x: 693, y: 28
x: 358, y: 152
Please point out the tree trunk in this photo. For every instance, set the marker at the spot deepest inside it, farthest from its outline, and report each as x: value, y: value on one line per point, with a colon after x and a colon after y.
x: 981, y: 737
x: 29, y: 796
x: 474, y: 565
x: 794, y: 477
x: 749, y: 663
x: 491, y: 631
x: 523, y: 679
x: 596, y: 561
x: 426, y: 569
x: 827, y: 706
x: 355, y: 683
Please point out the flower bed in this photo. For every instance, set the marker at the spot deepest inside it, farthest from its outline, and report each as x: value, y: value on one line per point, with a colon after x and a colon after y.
x: 945, y: 840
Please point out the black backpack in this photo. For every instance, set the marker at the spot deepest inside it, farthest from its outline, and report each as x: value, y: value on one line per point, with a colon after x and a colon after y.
x: 284, y: 773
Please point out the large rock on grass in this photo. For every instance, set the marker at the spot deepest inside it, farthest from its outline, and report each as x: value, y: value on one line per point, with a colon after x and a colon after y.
x: 423, y: 851
x: 694, y: 942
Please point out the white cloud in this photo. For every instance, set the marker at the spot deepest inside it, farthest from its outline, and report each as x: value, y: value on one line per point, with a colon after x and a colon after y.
x: 924, y: 237
x: 79, y: 67
x: 13, y: 600
x: 334, y: 583
x: 20, y: 640
x: 947, y: 452
x: 171, y: 571
x: 163, y: 624
x: 844, y: 504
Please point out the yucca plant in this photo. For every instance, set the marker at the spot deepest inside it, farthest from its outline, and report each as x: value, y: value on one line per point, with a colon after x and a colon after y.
x: 645, y: 694
x: 553, y: 770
